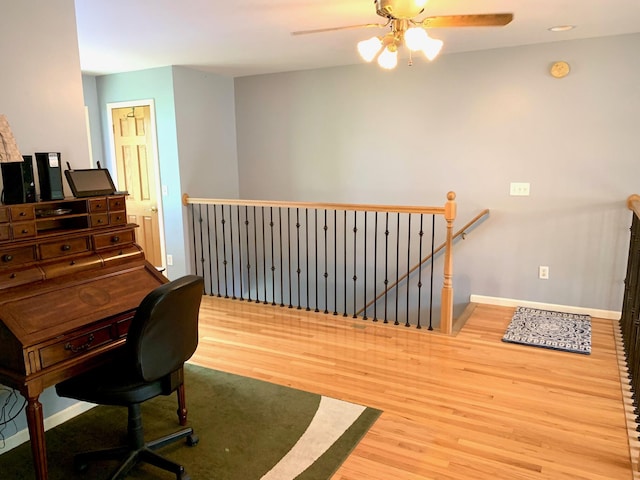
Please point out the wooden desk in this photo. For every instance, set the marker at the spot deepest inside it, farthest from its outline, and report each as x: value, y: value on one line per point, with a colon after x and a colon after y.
x: 70, y: 282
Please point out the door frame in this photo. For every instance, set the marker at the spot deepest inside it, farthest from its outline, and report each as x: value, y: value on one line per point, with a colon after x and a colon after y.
x: 154, y: 158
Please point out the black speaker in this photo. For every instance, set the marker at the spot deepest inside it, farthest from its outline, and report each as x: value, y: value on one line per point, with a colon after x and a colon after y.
x: 49, y: 176
x: 17, y: 182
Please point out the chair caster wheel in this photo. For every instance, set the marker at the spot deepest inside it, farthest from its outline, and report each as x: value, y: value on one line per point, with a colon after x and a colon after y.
x: 192, y: 440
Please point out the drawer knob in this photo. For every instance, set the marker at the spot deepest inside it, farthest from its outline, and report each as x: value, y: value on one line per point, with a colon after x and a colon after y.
x: 7, y: 258
x: 99, y: 220
x: 24, y: 230
x: 115, y: 239
x: 12, y: 276
x: 23, y: 214
x: 80, y: 348
x: 66, y: 247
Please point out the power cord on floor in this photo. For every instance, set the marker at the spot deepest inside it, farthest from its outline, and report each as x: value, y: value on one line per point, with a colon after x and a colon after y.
x: 8, y: 412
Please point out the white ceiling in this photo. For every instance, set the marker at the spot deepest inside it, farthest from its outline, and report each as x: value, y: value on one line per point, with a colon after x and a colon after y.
x: 250, y: 37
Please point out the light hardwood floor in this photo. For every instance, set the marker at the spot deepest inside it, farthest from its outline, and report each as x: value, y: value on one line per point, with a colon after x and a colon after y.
x: 465, y: 407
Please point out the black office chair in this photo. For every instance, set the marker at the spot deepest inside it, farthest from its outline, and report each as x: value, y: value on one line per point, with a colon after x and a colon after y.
x: 162, y: 336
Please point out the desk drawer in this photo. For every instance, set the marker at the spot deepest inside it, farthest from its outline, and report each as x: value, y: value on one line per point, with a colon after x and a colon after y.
x: 13, y: 278
x: 71, y: 265
x: 118, y: 218
x: 69, y: 246
x: 12, y: 257
x: 100, y: 220
x: 21, y: 213
x: 121, y: 255
x: 74, y: 346
x: 4, y: 214
x: 97, y: 205
x: 5, y: 233
x: 23, y: 230
x: 116, y: 203
x: 105, y: 240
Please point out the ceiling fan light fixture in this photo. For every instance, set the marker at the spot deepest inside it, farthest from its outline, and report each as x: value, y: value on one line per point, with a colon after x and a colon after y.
x: 388, y: 59
x: 432, y: 48
x: 368, y: 49
x: 416, y: 38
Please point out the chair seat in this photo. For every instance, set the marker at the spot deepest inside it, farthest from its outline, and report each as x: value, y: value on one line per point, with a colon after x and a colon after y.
x: 111, y: 384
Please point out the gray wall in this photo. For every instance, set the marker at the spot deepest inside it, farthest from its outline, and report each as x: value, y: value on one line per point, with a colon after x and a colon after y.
x: 471, y: 123
x: 41, y: 95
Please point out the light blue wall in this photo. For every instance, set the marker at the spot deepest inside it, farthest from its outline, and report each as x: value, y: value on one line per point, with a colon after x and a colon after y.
x: 471, y: 123
x: 156, y: 84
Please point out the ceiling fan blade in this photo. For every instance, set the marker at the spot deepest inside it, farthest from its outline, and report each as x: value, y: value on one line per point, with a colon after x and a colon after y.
x: 333, y: 29
x: 483, y: 20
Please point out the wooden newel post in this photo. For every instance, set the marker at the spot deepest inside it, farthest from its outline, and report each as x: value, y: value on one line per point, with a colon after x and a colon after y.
x: 446, y: 307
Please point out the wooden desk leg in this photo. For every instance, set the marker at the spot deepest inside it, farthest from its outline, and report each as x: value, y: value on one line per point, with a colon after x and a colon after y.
x: 182, y: 405
x: 35, y: 421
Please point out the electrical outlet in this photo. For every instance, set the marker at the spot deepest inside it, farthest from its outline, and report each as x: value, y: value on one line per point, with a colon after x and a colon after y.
x: 543, y: 272
x: 519, y: 189
x: 169, y: 259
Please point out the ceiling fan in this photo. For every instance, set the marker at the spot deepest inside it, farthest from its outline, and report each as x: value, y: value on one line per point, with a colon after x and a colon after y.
x: 407, y: 30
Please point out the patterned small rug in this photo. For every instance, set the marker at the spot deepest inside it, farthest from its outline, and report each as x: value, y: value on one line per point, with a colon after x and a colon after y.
x: 568, y: 332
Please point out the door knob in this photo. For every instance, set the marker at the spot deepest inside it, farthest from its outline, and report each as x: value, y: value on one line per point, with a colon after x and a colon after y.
x: 154, y: 209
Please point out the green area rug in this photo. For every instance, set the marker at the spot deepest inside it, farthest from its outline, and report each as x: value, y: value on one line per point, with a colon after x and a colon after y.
x: 248, y: 430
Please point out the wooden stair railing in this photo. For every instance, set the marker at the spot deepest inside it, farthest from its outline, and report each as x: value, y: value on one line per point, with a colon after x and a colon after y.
x: 244, y: 234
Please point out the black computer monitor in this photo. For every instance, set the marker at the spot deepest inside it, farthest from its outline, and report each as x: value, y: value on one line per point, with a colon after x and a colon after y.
x: 90, y: 182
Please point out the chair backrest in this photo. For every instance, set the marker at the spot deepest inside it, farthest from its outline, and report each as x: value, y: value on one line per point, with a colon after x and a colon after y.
x: 164, y: 331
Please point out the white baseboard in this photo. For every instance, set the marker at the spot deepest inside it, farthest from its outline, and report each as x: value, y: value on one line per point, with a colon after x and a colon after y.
x: 49, y: 422
x: 509, y: 302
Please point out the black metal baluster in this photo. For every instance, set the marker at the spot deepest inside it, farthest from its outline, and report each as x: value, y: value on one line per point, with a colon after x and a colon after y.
x: 375, y: 268
x: 317, y: 281
x: 407, y: 323
x: 433, y: 239
x: 355, y: 256
x: 273, y: 267
x: 335, y: 262
x: 344, y: 262
x: 224, y: 252
x: 232, y: 248
x: 281, y: 257
x: 193, y: 229
x: 210, y: 268
x: 246, y: 226
x: 419, y: 326
x: 326, y: 270
x: 289, y: 276
x: 298, y: 270
x: 215, y: 233
x: 255, y: 253
x: 386, y: 266
x: 306, y: 228
x: 264, y: 259
x: 397, y: 287
x: 365, y: 267
x: 201, y: 239
x: 240, y: 273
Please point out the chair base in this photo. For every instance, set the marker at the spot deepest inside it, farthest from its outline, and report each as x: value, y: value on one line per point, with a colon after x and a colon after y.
x: 146, y: 453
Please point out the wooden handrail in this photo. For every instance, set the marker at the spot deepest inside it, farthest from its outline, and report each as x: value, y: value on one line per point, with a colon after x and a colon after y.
x: 462, y: 232
x: 633, y: 203
x: 186, y: 200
